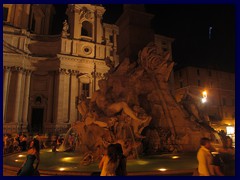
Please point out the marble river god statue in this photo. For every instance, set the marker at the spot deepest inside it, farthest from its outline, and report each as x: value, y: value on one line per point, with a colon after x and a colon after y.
x: 134, y: 107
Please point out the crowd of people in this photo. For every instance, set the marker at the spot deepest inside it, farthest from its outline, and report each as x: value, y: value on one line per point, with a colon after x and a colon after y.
x: 212, y: 162
x: 21, y: 142
x: 15, y: 143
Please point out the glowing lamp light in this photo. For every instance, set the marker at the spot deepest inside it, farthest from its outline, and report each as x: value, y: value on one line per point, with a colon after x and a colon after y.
x: 230, y: 130
x: 204, y: 93
x: 204, y: 96
x: 20, y: 155
x: 162, y: 169
x: 16, y: 160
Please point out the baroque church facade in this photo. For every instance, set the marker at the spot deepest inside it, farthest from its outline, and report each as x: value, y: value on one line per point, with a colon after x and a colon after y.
x: 45, y: 75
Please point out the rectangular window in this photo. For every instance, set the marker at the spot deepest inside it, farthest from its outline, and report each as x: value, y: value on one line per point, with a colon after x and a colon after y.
x: 198, y: 72
x: 111, y: 39
x: 5, y: 14
x: 85, y: 89
x: 199, y: 83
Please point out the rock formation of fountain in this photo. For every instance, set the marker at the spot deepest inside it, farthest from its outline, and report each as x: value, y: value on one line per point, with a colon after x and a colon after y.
x: 134, y: 100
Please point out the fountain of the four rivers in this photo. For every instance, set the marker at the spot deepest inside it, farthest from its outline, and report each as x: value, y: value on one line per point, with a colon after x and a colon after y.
x: 133, y: 107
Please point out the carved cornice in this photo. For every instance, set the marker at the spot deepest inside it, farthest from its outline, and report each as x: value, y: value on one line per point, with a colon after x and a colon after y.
x: 69, y: 72
x: 18, y: 69
x: 82, y: 60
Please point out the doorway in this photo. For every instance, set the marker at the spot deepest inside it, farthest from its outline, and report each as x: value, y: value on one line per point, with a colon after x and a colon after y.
x: 37, y: 120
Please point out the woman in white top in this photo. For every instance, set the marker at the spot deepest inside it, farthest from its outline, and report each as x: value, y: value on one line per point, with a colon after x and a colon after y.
x: 109, y: 162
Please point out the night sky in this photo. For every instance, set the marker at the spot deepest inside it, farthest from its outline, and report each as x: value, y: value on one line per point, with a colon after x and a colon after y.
x: 189, y: 25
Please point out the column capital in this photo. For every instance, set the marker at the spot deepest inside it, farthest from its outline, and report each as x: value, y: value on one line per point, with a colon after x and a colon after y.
x: 28, y: 72
x: 63, y: 71
x: 74, y: 72
x: 7, y: 68
x: 17, y: 68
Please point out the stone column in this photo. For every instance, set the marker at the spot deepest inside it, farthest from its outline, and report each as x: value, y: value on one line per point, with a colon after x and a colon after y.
x: 66, y: 96
x: 59, y: 100
x: 61, y: 96
x: 5, y: 89
x: 21, y: 101
x: 26, y: 98
x: 18, y: 93
x: 99, y: 30
x: 73, y: 95
x: 79, y: 94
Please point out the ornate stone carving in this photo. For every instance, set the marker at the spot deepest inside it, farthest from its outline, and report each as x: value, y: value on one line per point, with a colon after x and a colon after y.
x: 85, y: 14
x: 65, y: 29
x: 132, y: 97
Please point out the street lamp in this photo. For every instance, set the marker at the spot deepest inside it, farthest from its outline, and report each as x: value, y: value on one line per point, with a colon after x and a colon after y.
x: 204, y: 96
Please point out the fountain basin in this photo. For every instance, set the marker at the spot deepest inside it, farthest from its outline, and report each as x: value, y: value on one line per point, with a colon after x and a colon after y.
x: 68, y: 163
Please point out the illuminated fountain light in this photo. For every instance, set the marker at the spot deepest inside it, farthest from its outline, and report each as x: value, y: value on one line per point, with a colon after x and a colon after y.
x: 21, y: 155
x: 175, y: 157
x: 62, y: 169
x: 162, y: 169
x: 67, y: 159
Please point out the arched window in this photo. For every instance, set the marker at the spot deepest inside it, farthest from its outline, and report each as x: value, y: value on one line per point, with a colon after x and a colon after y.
x: 33, y: 24
x: 86, y: 29
x: 5, y: 13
